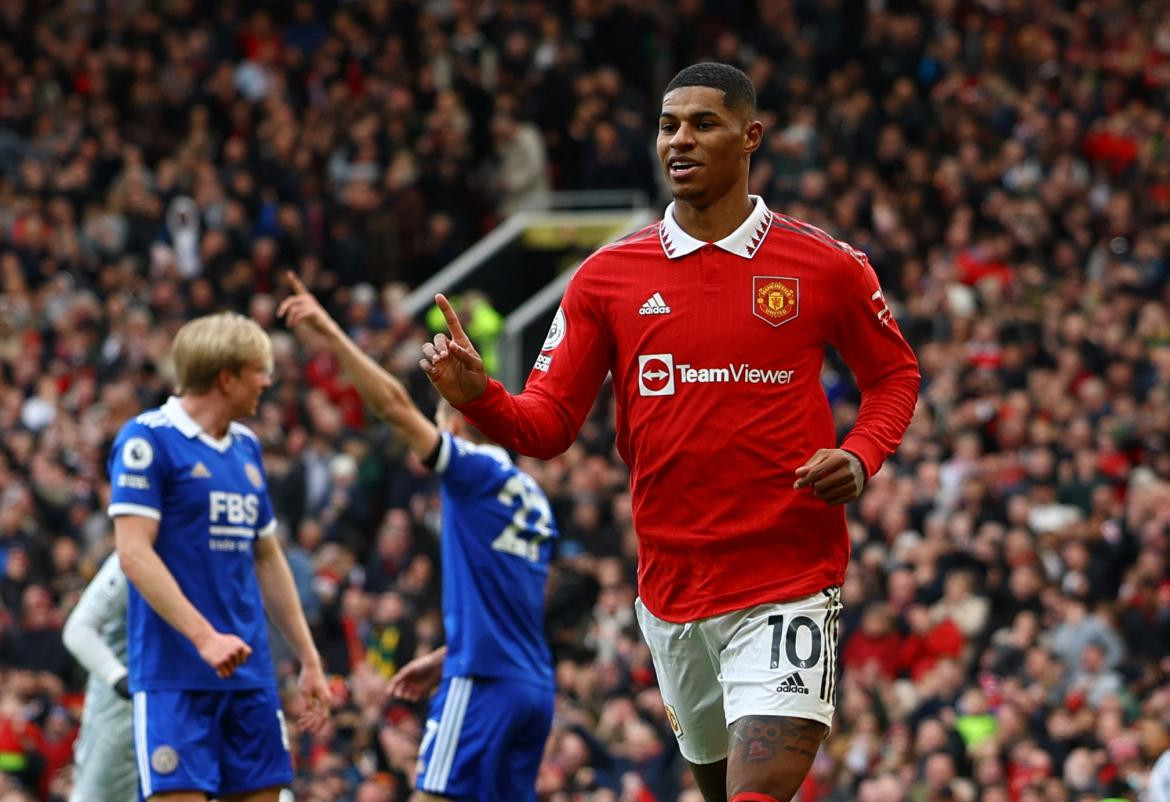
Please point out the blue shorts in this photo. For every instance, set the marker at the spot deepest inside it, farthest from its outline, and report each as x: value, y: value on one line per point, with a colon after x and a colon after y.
x: 218, y: 742
x: 484, y: 739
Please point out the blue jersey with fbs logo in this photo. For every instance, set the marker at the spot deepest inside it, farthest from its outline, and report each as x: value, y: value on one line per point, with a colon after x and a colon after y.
x: 497, y: 539
x: 210, y: 498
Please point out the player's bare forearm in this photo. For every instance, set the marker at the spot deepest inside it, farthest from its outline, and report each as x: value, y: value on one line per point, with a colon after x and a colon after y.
x: 384, y: 394
x: 436, y: 657
x: 281, y: 600
x: 418, y: 677
x: 134, y: 538
x: 381, y: 391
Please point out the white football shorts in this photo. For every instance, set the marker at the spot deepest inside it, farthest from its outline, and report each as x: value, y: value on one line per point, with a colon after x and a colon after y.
x: 775, y: 659
x: 104, y: 751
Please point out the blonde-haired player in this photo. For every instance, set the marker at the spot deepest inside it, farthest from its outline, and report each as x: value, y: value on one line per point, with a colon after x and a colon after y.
x: 194, y: 528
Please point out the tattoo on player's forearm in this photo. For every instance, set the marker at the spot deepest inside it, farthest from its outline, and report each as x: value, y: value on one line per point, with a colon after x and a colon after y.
x: 757, y: 739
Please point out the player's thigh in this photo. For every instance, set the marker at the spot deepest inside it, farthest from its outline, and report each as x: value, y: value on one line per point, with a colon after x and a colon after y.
x: 452, y: 745
x: 255, y: 756
x: 771, y: 754
x: 521, y: 746
x: 177, y: 743
x: 472, y: 724
x: 105, y: 768
x: 779, y: 675
x: 688, y: 679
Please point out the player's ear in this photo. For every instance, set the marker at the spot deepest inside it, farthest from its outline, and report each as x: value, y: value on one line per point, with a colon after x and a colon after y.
x: 224, y: 377
x: 753, y: 136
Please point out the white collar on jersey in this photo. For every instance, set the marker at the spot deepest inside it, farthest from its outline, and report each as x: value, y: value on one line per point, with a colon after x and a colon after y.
x: 190, y: 429
x: 744, y: 241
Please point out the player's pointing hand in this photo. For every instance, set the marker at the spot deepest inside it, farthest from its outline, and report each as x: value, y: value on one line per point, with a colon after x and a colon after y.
x: 303, y: 307
x: 451, y: 362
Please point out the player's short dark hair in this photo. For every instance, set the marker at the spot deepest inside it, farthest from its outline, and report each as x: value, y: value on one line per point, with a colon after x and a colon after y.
x: 738, y: 92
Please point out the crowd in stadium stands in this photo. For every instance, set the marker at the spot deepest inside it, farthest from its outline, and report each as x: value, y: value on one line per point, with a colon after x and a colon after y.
x: 1005, y: 164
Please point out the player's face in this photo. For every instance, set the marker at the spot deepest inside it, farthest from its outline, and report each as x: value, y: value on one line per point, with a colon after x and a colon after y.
x: 703, y: 145
x: 243, y: 389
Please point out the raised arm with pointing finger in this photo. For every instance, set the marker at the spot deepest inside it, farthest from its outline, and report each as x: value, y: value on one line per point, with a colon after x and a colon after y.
x: 384, y: 394
x: 494, y: 675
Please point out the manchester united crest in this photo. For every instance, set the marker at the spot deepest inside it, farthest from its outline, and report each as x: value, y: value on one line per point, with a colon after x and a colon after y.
x: 672, y: 717
x: 775, y: 299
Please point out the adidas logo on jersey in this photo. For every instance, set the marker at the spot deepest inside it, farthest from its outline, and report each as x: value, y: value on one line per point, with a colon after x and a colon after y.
x: 200, y: 471
x: 792, y: 684
x: 654, y: 306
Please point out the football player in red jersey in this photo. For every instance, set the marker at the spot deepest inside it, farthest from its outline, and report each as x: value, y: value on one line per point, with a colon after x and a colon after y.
x: 713, y: 323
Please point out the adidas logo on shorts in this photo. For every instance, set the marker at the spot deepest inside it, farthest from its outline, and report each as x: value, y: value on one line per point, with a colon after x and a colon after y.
x: 792, y: 684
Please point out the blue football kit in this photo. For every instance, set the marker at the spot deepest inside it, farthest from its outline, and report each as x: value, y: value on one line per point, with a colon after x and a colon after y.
x: 192, y: 729
x: 492, y: 713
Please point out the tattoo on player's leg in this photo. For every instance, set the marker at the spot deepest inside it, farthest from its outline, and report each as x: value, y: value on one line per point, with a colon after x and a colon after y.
x: 757, y: 739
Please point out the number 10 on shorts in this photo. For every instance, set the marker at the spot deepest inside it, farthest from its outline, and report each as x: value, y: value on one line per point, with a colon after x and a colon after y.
x: 802, y: 651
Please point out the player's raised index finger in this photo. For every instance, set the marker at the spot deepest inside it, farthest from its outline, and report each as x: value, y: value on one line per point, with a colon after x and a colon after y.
x: 298, y: 286
x: 453, y: 324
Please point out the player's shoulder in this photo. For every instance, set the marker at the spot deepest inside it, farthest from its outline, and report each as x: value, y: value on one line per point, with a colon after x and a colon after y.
x: 465, y: 449
x: 639, y: 244
x: 239, y: 430
x: 792, y: 230
x: 110, y: 574
x: 151, y: 422
x: 141, y: 440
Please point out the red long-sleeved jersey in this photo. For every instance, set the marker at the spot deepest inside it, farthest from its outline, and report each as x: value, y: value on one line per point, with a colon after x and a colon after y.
x: 716, y: 352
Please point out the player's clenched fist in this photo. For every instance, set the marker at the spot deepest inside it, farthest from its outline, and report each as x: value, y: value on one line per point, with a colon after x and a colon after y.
x: 224, y: 653
x: 835, y: 476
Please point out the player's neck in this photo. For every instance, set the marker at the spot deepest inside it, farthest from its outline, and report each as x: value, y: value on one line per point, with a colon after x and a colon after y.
x: 716, y: 221
x: 208, y: 411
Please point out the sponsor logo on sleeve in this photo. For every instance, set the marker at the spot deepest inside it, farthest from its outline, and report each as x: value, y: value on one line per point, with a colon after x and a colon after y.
x: 775, y: 299
x: 133, y: 481
x: 137, y: 454
x: 884, y: 315
x: 556, y: 332
x: 543, y: 363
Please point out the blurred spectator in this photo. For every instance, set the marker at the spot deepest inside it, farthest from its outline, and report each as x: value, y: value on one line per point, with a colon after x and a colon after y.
x: 521, y: 171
